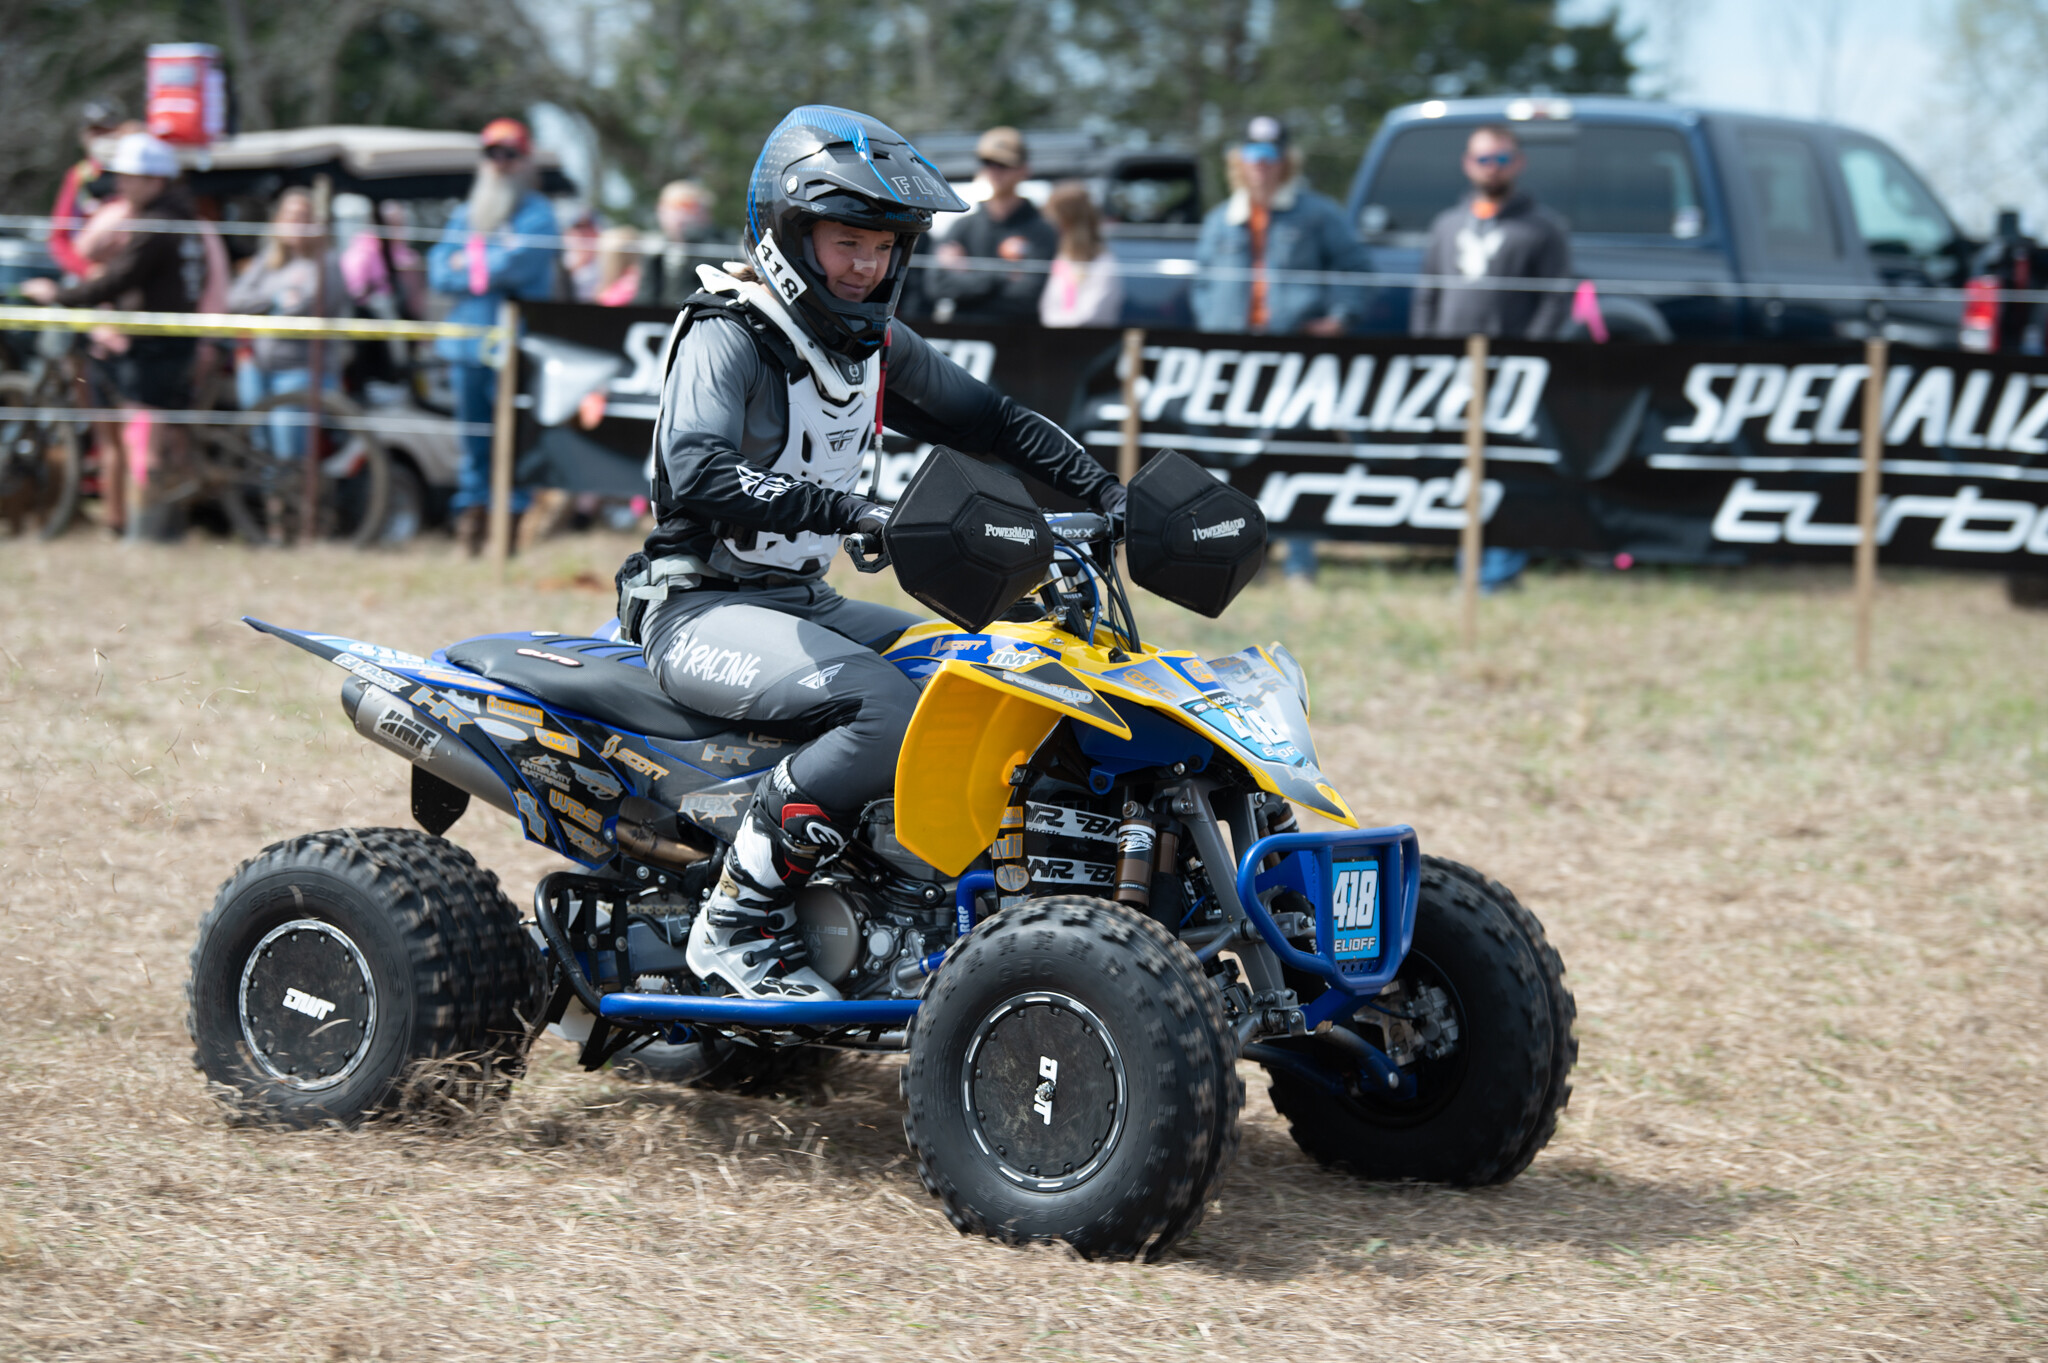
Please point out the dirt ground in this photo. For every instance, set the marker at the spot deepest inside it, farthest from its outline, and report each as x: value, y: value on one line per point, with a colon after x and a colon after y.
x: 1802, y: 916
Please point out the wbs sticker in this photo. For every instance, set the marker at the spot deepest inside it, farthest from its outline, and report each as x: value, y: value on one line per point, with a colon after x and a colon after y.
x: 1354, y: 911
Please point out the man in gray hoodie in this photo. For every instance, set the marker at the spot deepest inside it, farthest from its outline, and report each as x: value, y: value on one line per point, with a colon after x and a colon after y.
x: 1496, y: 233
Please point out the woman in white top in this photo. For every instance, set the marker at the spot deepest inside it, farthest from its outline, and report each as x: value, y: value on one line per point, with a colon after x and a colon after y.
x: 1084, y: 288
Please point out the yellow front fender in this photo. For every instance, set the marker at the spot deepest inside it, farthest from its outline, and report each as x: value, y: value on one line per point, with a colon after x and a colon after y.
x: 953, y: 773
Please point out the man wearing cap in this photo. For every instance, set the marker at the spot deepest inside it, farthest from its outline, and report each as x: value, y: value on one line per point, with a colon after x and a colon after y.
x: 1273, y: 223
x: 150, y: 272
x: 1006, y: 226
x: 492, y: 250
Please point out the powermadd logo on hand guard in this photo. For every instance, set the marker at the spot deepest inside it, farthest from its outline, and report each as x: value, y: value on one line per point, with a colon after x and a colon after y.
x: 1222, y: 530
x: 1016, y: 534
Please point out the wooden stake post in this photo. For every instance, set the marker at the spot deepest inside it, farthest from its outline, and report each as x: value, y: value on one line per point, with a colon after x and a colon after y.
x: 1127, y: 451
x: 1475, y: 476
x: 1875, y: 358
x: 504, y: 425
x: 316, y: 367
x: 1134, y: 358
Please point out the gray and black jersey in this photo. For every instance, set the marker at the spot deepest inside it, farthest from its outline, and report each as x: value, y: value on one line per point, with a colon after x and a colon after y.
x: 757, y: 442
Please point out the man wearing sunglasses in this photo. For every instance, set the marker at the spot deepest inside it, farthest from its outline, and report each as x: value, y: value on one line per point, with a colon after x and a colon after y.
x: 1498, y: 232
x: 1004, y: 226
x: 493, y: 250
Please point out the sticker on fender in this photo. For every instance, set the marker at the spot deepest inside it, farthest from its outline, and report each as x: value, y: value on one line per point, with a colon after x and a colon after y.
x: 1354, y: 910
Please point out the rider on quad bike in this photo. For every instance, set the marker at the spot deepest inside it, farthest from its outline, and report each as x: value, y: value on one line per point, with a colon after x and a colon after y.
x: 777, y: 378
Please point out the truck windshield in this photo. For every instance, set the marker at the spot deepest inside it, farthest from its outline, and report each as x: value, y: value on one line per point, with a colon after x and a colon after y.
x: 1599, y: 178
x: 1894, y: 212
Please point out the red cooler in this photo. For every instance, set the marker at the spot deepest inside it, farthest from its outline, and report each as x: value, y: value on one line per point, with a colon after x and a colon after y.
x: 187, y: 100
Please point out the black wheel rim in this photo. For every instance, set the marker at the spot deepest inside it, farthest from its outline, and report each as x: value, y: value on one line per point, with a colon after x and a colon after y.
x: 308, y: 1005
x: 1045, y: 1091
x: 1436, y: 1081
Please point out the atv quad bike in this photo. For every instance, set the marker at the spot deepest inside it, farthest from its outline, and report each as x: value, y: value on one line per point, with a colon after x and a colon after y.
x: 1088, y: 898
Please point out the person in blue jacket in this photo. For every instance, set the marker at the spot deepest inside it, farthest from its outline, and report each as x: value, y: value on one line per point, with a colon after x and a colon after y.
x: 1273, y: 223
x: 491, y: 251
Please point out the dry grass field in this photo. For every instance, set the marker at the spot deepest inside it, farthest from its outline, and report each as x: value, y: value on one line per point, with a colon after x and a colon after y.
x: 1804, y: 919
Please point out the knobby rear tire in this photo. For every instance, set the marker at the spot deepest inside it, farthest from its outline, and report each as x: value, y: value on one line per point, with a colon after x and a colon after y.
x: 451, y: 974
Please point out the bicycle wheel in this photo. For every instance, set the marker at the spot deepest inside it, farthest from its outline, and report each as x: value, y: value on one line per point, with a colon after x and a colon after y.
x: 261, y: 491
x: 39, y: 460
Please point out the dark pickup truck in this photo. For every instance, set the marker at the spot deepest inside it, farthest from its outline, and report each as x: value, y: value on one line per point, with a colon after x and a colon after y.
x: 1673, y: 197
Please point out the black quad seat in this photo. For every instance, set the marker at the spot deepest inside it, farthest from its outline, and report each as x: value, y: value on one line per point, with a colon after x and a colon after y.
x: 608, y: 684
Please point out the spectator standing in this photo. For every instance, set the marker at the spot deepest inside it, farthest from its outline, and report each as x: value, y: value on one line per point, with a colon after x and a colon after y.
x: 80, y: 192
x: 618, y: 267
x: 285, y: 279
x: 1004, y: 226
x: 374, y: 255
x: 579, y: 255
x: 494, y: 248
x: 1273, y: 223
x: 1496, y: 233
x: 684, y: 213
x: 1085, y: 289
x: 152, y: 271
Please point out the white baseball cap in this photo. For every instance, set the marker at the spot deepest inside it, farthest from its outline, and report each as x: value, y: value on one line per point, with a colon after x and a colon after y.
x: 141, y: 154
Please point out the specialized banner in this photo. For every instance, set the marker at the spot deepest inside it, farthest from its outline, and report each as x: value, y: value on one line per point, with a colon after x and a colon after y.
x: 1666, y: 453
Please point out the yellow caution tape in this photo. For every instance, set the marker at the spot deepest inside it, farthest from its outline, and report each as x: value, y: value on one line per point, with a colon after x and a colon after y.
x: 19, y: 318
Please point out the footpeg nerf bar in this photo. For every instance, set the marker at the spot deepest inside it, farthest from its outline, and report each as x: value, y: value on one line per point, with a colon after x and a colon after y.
x: 668, y: 1010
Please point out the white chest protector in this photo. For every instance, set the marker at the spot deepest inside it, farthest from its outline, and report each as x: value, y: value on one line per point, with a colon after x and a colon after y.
x: 831, y: 425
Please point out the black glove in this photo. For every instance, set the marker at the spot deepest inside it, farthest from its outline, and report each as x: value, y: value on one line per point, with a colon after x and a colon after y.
x: 859, y: 516
x: 1110, y: 499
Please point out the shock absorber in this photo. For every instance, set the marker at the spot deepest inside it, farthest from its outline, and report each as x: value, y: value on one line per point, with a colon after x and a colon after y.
x: 1013, y: 876
x: 1136, y: 843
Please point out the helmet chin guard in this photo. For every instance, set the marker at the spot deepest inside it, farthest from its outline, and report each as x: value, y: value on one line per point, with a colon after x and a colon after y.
x: 823, y: 164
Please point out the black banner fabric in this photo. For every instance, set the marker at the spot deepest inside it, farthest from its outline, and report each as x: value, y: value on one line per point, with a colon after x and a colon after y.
x: 1664, y: 453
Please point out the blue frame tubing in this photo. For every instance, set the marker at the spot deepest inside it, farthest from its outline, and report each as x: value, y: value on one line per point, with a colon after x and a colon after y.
x: 1307, y: 866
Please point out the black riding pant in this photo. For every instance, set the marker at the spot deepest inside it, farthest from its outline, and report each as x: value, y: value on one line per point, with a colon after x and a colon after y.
x: 800, y: 659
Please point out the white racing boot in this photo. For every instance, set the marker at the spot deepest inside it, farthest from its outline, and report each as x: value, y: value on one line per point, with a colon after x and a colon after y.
x: 746, y: 933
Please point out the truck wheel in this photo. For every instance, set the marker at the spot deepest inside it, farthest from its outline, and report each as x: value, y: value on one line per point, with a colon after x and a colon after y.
x: 1488, y: 1038
x: 333, y: 963
x: 1071, y: 1078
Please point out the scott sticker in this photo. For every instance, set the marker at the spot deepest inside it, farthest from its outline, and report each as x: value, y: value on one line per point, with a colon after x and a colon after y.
x: 626, y: 757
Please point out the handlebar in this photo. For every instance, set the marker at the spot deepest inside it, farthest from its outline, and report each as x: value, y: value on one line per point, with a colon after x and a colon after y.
x: 1081, y: 527
x: 868, y: 553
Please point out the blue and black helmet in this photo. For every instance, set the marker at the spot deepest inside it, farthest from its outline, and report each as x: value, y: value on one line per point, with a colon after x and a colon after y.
x: 823, y: 164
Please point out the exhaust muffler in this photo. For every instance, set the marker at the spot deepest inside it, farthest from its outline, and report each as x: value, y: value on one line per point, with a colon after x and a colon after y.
x: 395, y: 724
